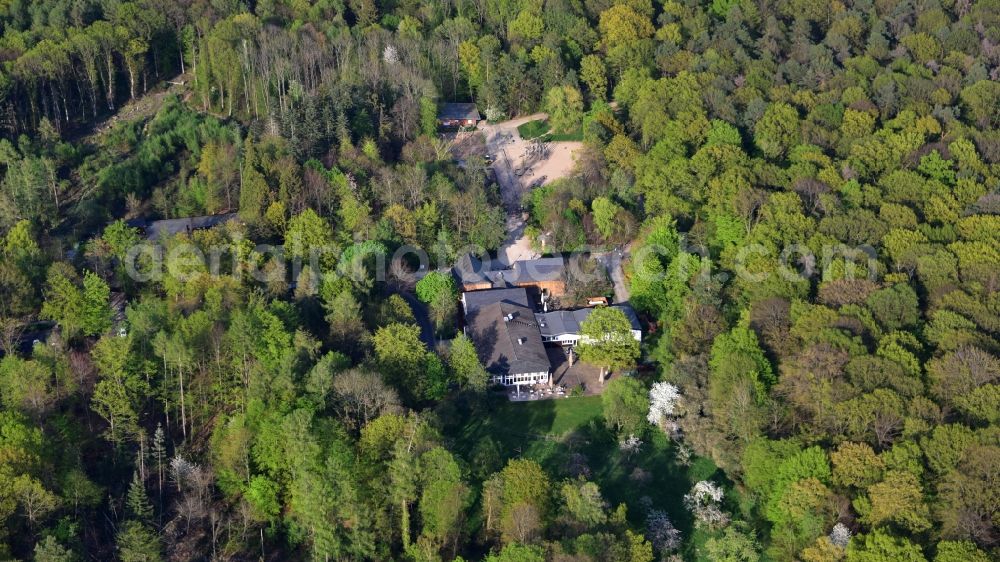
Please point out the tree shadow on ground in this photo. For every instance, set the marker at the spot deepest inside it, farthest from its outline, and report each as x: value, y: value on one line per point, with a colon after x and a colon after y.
x: 515, y: 427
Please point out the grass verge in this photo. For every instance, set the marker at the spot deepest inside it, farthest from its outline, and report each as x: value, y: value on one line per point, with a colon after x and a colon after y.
x: 533, y: 129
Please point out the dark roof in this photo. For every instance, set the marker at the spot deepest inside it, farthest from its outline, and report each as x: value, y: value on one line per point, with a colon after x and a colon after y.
x: 458, y: 111
x: 187, y: 224
x: 501, y: 323
x: 633, y: 318
x: 559, y: 322
x: 536, y: 271
x: 118, y: 303
x: 475, y: 300
x: 470, y: 269
x: 506, y: 337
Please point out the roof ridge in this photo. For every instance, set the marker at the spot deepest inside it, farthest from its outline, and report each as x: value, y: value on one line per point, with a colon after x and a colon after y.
x: 513, y: 346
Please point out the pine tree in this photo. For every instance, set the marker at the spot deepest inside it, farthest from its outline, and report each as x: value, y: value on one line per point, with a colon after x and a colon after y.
x: 138, y: 543
x: 137, y: 502
x: 49, y: 550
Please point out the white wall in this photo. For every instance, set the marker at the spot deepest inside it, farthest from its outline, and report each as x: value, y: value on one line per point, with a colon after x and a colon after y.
x: 573, y: 339
x: 540, y: 377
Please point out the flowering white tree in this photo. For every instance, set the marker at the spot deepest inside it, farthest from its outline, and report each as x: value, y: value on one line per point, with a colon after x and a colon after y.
x: 683, y: 454
x: 703, y: 502
x: 706, y: 490
x: 389, y: 55
x: 661, y: 531
x: 663, y: 399
x: 181, y: 470
x: 630, y: 446
x: 840, y: 535
x: 494, y: 113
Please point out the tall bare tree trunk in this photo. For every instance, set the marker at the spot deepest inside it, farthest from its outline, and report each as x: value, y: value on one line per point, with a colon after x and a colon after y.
x: 142, y: 456
x: 111, y: 82
x: 180, y: 373
x: 60, y: 88
x: 131, y: 82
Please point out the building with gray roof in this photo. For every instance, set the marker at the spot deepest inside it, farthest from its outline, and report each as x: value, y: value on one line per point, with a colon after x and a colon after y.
x: 510, y: 336
x: 169, y: 227
x: 546, y: 275
x: 458, y: 115
x: 502, y: 326
x: 563, y: 326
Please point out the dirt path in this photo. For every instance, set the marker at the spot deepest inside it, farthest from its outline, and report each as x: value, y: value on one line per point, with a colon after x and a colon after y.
x: 612, y: 262
x: 516, y: 246
x: 622, y: 293
x: 521, y: 165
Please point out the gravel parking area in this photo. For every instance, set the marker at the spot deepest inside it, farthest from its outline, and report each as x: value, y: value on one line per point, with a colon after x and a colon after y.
x: 521, y: 165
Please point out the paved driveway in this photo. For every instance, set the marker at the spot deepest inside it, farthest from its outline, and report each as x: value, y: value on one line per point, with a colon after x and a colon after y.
x: 612, y: 262
x: 423, y: 317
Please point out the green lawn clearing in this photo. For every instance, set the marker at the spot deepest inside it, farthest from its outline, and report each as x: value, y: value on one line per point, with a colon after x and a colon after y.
x: 515, y: 423
x: 575, y: 136
x: 553, y: 419
x: 540, y: 129
x: 533, y: 129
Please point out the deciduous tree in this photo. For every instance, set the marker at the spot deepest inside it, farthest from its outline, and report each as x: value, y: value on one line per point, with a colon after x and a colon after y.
x: 606, y: 340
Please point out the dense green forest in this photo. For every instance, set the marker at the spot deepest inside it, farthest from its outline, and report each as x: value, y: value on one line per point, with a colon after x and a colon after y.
x: 809, y: 191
